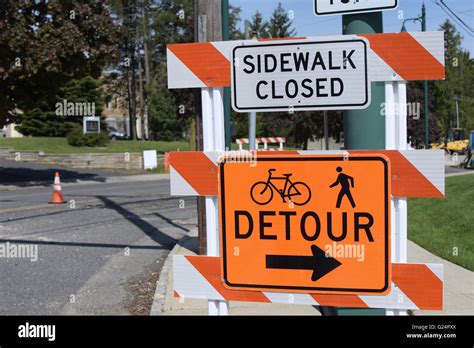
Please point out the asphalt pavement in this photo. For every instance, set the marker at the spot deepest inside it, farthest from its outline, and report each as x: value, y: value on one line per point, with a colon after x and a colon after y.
x: 96, y: 254
x: 27, y: 174
x: 100, y: 253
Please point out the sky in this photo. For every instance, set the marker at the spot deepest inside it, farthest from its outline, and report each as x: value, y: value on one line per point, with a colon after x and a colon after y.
x: 307, y: 24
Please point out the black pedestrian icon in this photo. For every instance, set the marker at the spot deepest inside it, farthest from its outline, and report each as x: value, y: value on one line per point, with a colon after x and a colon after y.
x: 346, y: 182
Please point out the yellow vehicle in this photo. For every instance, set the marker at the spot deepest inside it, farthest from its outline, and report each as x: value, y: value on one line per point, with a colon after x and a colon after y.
x: 456, y: 141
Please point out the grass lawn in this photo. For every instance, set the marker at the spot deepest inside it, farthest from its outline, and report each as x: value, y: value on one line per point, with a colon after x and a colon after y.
x: 441, y: 225
x: 60, y: 145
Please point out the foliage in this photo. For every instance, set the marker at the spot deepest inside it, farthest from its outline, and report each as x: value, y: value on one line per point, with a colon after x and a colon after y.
x: 234, y: 20
x: 459, y: 82
x: 53, y: 145
x: 44, y: 121
x: 75, y: 137
x: 442, y: 111
x: 280, y: 24
x: 168, y: 121
x: 173, y: 22
x: 258, y: 26
x: 416, y: 120
x: 45, y: 44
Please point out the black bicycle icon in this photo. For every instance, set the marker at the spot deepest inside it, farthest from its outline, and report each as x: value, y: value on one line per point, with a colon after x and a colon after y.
x: 297, y: 192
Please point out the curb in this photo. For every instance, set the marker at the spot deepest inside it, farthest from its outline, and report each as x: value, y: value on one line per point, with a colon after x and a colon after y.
x: 459, y: 174
x: 158, y: 306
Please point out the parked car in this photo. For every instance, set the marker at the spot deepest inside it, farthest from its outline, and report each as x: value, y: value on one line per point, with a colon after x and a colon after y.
x: 114, y: 134
x: 3, y: 134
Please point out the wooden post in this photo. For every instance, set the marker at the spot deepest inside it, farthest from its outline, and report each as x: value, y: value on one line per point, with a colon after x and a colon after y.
x: 207, y: 27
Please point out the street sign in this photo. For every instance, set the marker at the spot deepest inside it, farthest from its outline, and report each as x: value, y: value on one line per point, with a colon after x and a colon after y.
x: 91, y: 124
x: 305, y: 75
x: 312, y: 223
x: 338, y: 7
x: 391, y: 57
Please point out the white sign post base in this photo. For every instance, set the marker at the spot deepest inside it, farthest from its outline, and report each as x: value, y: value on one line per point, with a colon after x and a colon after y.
x: 396, y: 139
x: 214, y: 140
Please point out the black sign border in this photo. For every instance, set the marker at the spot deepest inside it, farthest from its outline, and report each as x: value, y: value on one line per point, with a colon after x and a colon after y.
x: 375, y: 9
x: 295, y: 107
x: 307, y: 158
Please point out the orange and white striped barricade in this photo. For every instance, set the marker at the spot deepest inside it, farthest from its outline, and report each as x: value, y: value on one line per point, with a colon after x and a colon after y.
x: 414, y: 286
x: 415, y: 173
x: 391, y: 57
x: 265, y: 141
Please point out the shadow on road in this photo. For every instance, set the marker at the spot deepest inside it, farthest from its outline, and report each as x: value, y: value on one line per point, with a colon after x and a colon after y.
x: 81, y: 244
x: 25, y: 177
x: 150, y: 230
x: 26, y: 174
x: 171, y: 222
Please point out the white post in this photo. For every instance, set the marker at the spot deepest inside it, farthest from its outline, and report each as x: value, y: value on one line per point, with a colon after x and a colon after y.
x: 214, y: 140
x: 402, y: 145
x: 396, y: 139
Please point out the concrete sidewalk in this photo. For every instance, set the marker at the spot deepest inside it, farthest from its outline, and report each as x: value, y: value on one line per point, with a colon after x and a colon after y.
x: 165, y: 304
x: 458, y: 289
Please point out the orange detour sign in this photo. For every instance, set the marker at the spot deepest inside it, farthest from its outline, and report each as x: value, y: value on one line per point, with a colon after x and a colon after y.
x: 306, y: 223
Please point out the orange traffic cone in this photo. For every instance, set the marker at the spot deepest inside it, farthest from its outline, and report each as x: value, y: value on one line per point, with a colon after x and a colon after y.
x: 57, y: 191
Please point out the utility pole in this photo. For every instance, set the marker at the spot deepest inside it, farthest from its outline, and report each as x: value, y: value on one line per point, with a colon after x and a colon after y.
x: 252, y: 115
x: 457, y: 110
x: 364, y: 129
x: 207, y: 27
x: 227, y: 111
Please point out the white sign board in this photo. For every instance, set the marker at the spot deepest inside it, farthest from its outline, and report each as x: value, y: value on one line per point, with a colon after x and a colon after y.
x: 298, y: 76
x: 337, y: 7
x: 91, y: 124
x: 149, y: 159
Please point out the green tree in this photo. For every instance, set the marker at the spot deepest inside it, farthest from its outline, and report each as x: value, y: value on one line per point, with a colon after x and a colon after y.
x: 459, y: 82
x: 416, y: 122
x: 45, y: 44
x: 280, y: 24
x: 234, y: 20
x: 44, y: 121
x: 258, y: 26
x: 173, y: 23
x: 167, y: 118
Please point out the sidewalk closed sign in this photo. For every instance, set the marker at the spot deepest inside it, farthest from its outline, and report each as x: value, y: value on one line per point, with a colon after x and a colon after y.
x: 306, y: 223
x: 335, y: 7
x: 303, y: 75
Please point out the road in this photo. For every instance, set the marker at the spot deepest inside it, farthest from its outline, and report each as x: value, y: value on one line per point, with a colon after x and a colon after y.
x: 100, y: 255
x: 27, y: 174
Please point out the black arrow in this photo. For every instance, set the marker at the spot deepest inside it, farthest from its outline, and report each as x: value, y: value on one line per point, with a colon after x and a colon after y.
x: 319, y: 263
